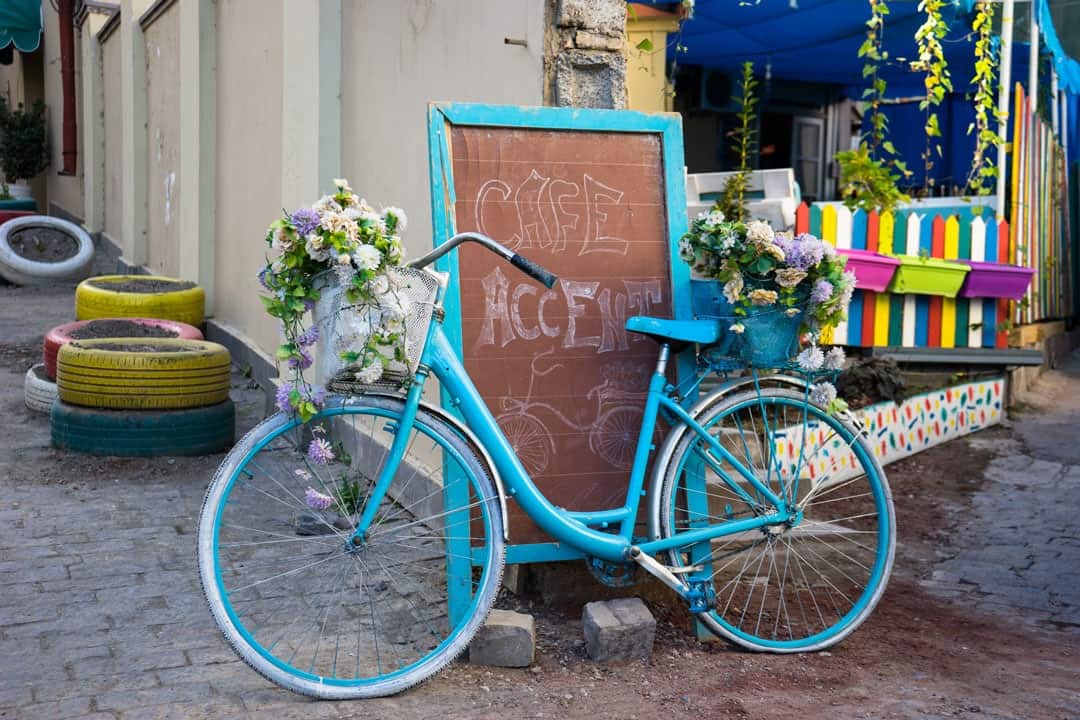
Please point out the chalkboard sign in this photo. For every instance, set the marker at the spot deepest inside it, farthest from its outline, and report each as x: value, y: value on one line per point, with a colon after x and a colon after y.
x: 586, y: 195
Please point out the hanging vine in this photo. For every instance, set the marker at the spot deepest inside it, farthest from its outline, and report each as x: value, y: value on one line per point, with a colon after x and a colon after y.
x: 938, y: 82
x: 869, y: 174
x: 984, y: 170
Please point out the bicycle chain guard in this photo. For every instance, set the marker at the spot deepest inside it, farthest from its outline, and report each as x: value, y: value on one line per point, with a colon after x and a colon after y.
x: 616, y: 575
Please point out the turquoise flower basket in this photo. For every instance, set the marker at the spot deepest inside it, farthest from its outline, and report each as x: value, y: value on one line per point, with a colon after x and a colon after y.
x: 770, y: 339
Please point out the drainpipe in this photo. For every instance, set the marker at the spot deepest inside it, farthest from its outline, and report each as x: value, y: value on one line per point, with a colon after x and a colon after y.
x: 66, y: 10
x: 1005, y: 79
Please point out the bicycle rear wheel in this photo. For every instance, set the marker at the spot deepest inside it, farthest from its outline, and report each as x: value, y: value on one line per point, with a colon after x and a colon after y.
x: 798, y: 586
x: 317, y: 615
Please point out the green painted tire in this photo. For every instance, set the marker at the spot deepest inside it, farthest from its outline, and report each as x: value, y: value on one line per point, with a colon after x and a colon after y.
x: 144, y: 433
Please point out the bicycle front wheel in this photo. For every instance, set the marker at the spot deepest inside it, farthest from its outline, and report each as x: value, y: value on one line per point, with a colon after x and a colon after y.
x: 804, y: 584
x: 305, y: 607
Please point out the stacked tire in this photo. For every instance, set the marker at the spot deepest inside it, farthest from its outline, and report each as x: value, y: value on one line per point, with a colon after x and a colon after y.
x: 22, y: 262
x: 143, y: 396
x: 162, y: 390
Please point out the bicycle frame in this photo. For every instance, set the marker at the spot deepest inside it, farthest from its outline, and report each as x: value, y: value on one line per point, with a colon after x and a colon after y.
x: 574, y: 528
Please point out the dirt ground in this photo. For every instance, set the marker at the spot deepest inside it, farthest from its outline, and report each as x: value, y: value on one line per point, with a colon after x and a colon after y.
x: 925, y: 653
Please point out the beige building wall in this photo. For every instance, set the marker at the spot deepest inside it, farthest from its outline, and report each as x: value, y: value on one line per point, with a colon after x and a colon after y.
x: 398, y: 56
x: 249, y: 93
x: 114, y: 196
x: 163, y: 137
x: 63, y: 191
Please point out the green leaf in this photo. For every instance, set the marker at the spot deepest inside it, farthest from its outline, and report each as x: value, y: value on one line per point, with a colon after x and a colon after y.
x: 645, y: 45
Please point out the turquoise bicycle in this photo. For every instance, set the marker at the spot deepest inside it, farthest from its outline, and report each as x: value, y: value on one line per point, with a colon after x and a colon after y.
x: 768, y: 515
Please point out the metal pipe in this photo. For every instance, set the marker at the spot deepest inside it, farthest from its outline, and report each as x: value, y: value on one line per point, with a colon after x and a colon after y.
x: 1004, y: 90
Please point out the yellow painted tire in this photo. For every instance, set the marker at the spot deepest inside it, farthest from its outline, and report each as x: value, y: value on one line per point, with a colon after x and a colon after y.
x: 142, y: 373
x: 95, y: 298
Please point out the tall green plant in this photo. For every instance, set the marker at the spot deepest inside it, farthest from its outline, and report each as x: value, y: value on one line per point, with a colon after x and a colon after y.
x: 732, y: 200
x: 937, y: 80
x: 868, y: 174
x: 984, y: 170
x: 23, y: 152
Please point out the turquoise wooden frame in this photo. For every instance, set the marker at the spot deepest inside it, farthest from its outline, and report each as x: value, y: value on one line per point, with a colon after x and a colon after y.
x: 441, y: 116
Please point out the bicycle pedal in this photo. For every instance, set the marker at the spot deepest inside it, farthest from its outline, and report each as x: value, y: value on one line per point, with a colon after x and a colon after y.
x: 684, y: 570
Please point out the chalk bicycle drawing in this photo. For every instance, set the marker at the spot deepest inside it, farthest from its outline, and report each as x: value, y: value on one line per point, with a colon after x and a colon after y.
x: 612, y: 433
x: 767, y: 515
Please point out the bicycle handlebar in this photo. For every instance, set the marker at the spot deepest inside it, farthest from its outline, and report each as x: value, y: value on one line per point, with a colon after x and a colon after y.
x: 520, y: 262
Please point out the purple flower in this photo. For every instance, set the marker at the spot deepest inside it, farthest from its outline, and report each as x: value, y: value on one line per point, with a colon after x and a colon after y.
x: 281, y: 397
x: 262, y: 277
x: 308, y: 337
x: 317, y: 500
x: 309, y: 305
x: 318, y: 394
x: 303, y: 362
x: 305, y: 220
x: 320, y: 452
x: 823, y: 290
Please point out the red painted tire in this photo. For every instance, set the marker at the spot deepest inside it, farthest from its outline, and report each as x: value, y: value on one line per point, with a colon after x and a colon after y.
x: 62, y: 335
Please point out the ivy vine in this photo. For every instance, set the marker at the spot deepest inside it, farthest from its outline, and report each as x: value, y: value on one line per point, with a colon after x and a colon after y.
x: 984, y: 170
x: 937, y: 81
x: 868, y: 175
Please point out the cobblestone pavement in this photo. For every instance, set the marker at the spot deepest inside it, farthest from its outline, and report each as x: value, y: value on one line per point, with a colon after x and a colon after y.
x: 1018, y: 545
x: 101, y: 614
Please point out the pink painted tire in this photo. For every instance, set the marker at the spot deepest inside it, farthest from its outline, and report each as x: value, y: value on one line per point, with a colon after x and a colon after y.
x: 62, y: 335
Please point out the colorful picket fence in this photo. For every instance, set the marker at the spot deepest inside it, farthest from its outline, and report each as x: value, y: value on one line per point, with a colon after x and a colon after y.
x: 887, y: 319
x: 1039, y: 209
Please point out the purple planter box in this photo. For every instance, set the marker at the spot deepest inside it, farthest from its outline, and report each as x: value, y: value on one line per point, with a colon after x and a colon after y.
x: 873, y: 271
x: 994, y: 280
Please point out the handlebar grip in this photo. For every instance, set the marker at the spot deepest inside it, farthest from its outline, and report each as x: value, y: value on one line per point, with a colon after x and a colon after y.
x: 533, y: 270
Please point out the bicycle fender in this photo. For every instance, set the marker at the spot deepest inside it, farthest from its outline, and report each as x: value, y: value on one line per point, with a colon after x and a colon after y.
x: 463, y: 430
x: 667, y: 448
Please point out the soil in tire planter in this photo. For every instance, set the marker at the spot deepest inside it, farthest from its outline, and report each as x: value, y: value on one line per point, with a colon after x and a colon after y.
x: 139, y: 285
x: 95, y: 329
x: 43, y: 244
x: 134, y: 347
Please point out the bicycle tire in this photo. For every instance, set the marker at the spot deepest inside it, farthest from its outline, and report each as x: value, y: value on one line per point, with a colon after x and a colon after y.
x: 868, y: 513
x: 143, y: 373
x: 95, y: 299
x: 247, y: 596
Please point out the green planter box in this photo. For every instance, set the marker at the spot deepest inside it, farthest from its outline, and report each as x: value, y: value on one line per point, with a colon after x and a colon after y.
x: 928, y: 276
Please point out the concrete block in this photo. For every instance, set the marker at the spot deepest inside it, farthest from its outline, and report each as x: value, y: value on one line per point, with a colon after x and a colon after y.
x: 506, y: 639
x: 590, y: 78
x: 606, y: 17
x: 622, y: 629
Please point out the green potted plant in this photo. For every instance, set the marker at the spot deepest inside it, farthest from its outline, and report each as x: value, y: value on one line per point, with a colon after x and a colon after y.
x: 23, y: 153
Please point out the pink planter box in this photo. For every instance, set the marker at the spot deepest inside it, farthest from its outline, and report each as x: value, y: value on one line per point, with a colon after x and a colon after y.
x: 873, y: 271
x: 994, y: 280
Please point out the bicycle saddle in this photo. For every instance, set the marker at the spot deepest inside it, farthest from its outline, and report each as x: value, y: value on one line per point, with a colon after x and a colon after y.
x: 675, y: 332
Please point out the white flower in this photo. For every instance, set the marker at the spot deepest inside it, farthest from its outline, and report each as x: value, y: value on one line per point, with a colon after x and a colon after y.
x: 823, y: 394
x: 277, y: 266
x: 792, y: 312
x: 762, y: 296
x: 686, y: 250
x: 284, y: 240
x: 367, y: 257
x: 759, y: 232
x: 738, y: 328
x: 380, y: 285
x: 316, y: 248
x: 353, y: 213
x: 395, y: 306
x: 342, y: 185
x: 790, y: 277
x: 830, y: 251
x: 370, y: 373
x: 396, y: 251
x: 733, y: 288
x: 834, y: 359
x: 374, y: 218
x: 399, y: 215
x: 326, y: 204
x: 811, y: 359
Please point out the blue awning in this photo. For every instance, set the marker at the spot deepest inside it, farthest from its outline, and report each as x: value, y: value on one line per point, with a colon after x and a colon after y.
x: 20, y: 24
